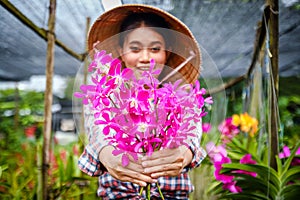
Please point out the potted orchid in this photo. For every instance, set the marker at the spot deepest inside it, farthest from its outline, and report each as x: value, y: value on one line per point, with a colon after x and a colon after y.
x: 241, y: 166
x: 143, y: 115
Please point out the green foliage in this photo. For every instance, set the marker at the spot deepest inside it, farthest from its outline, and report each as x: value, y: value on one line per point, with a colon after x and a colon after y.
x: 289, y: 107
x: 66, y: 180
x: 20, y: 174
x: 296, y: 6
x: 270, y: 184
x: 237, y: 180
x: 20, y: 109
x: 20, y: 157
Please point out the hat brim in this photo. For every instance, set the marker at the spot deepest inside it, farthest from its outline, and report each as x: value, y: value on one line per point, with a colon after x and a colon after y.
x: 108, y: 25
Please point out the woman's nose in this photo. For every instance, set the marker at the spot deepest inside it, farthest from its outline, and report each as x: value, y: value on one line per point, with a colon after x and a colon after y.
x: 145, y: 56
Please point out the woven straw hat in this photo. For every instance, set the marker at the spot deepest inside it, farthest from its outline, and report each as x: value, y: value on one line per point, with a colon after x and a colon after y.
x: 108, y: 25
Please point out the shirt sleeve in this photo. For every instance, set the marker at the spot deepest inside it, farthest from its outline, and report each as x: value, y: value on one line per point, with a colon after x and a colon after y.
x: 89, y: 161
x: 194, y: 144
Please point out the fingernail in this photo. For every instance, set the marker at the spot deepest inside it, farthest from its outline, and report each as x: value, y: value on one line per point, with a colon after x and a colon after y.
x: 153, y: 175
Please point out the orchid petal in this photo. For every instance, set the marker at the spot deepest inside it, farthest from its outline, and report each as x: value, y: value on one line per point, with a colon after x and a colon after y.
x: 79, y: 95
x: 125, y: 160
x: 106, y: 130
x: 85, y: 101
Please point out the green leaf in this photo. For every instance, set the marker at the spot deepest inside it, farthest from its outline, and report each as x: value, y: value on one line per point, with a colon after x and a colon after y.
x: 235, y: 143
x: 291, y: 192
x: 2, y: 168
x: 265, y: 156
x: 245, y: 196
x: 235, y: 155
x: 291, y: 175
x: 215, y: 188
x: 252, y: 149
x: 262, y: 186
x: 7, y: 105
x: 261, y: 170
x: 61, y: 170
x: 70, y: 168
x: 279, y: 166
x: 241, y: 148
x: 287, y: 163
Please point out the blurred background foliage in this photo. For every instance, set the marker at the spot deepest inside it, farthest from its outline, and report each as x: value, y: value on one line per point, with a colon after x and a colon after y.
x: 21, y: 128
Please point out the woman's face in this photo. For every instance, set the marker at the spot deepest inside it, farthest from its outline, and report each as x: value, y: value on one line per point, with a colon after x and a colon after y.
x: 141, y: 45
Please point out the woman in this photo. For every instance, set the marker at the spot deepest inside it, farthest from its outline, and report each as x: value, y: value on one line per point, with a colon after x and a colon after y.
x: 143, y: 33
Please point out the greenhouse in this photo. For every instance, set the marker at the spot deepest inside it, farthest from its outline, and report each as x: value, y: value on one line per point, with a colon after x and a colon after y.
x: 245, y: 98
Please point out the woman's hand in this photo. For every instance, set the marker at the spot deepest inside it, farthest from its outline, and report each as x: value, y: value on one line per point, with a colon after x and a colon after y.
x: 133, y: 172
x: 167, y: 162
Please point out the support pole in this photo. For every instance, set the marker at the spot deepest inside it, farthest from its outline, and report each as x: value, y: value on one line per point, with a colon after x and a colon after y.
x: 88, y: 23
x: 48, y: 97
x: 273, y: 119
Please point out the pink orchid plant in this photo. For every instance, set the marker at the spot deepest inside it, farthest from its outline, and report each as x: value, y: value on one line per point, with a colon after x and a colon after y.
x: 140, y: 116
x: 286, y: 152
x: 219, y: 156
x: 243, y: 171
x: 230, y: 129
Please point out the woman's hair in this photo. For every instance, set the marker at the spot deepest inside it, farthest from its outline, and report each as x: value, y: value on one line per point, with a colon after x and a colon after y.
x: 137, y: 20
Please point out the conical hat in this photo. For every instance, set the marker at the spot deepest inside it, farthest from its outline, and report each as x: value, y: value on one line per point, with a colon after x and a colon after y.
x: 108, y: 25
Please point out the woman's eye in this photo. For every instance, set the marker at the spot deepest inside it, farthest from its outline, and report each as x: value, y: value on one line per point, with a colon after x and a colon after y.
x: 135, y: 49
x: 155, y: 49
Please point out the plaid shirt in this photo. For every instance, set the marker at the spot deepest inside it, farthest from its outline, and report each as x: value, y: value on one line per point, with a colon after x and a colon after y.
x: 177, y: 187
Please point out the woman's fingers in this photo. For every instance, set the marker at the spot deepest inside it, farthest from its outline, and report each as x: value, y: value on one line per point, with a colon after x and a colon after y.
x: 166, y: 168
x: 126, y: 175
x: 165, y: 173
x: 164, y: 157
x: 131, y: 173
x: 167, y: 162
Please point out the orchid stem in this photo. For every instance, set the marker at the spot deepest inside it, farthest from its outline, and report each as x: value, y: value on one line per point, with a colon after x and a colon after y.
x: 148, y: 191
x: 160, y: 193
x: 141, y: 190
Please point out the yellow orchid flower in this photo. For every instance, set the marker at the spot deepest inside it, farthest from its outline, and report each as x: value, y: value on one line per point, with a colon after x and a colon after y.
x: 246, y: 123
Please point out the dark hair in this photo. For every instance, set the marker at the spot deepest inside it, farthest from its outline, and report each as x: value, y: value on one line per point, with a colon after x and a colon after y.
x: 136, y: 20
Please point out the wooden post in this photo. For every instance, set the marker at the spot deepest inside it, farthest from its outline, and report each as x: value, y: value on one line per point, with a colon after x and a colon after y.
x: 48, y: 97
x: 88, y: 22
x: 273, y: 119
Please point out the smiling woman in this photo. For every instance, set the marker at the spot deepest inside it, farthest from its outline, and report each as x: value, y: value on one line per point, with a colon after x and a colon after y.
x: 147, y: 40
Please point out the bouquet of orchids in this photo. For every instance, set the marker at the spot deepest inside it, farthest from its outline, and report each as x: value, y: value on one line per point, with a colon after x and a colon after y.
x: 140, y: 116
